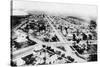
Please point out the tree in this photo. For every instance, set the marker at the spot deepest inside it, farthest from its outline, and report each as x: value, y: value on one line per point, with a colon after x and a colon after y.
x: 93, y: 24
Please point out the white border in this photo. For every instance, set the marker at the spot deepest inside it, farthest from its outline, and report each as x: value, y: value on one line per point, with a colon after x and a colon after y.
x: 5, y: 32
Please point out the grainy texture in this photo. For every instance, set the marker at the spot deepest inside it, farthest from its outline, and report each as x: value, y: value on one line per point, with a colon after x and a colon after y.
x: 42, y: 38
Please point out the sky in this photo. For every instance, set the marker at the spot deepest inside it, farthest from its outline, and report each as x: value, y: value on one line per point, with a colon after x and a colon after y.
x: 22, y: 7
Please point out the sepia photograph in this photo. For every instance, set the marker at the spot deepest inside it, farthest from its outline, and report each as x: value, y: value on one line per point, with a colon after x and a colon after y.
x: 44, y: 33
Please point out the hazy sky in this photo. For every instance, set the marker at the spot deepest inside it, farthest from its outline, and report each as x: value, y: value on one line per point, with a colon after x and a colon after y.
x: 21, y: 8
